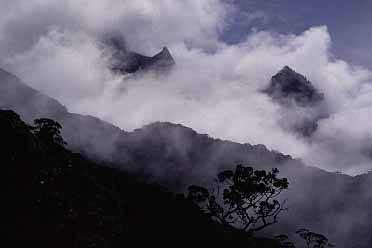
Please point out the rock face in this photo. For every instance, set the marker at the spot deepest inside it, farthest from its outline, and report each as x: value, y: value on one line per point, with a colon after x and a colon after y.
x: 125, y: 61
x: 301, y: 100
x: 290, y: 86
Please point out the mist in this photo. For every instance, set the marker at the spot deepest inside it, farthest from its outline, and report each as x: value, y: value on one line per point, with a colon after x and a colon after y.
x: 215, y: 88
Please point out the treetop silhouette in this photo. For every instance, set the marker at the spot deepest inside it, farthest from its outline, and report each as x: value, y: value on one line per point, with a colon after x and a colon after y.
x: 248, y: 199
x: 49, y: 131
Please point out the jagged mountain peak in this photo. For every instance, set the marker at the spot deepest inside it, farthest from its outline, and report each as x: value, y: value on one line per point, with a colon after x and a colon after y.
x: 291, y: 90
x: 289, y: 86
x: 165, y: 50
x: 165, y: 55
x: 126, y: 61
x: 162, y: 60
x: 289, y: 74
x: 287, y: 68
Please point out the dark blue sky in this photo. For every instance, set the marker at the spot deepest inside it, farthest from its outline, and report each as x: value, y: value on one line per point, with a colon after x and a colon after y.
x: 349, y: 22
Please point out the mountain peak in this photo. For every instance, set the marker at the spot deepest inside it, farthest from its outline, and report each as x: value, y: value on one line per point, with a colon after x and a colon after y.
x: 289, y: 89
x: 126, y: 61
x: 289, y: 86
x: 163, y: 59
x: 165, y: 50
x: 287, y: 69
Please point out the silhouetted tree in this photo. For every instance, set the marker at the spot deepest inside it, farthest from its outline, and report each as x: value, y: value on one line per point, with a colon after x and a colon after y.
x: 314, y: 240
x: 248, y: 201
x: 49, y: 131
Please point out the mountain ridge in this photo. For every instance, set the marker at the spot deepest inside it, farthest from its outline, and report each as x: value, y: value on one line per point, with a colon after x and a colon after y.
x: 176, y: 157
x: 125, y: 61
x: 305, y: 105
x: 56, y: 198
x: 288, y: 85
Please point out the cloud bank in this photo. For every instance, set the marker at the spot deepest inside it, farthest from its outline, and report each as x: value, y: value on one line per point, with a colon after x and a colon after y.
x: 215, y: 88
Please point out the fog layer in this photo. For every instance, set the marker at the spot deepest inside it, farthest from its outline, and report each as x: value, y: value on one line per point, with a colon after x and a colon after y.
x: 215, y: 88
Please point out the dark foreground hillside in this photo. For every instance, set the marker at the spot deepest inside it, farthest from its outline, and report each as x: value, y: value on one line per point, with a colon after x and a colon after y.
x: 55, y: 198
x: 175, y: 156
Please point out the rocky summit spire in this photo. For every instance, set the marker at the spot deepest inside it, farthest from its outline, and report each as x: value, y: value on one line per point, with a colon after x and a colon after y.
x: 291, y: 89
x: 289, y: 86
x: 165, y: 53
x: 125, y: 61
x: 163, y: 59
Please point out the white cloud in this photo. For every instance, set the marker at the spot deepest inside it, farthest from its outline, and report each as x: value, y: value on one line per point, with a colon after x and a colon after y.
x: 146, y: 24
x: 215, y: 88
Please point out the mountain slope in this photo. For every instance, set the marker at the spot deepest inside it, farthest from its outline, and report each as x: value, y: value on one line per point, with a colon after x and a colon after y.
x: 87, y: 132
x: 176, y: 156
x: 55, y: 198
x: 101, y: 140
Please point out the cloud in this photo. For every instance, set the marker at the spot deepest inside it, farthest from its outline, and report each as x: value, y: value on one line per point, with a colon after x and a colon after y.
x: 147, y: 25
x: 215, y: 88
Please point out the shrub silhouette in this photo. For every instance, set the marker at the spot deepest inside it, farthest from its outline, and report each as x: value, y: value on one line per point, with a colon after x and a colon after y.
x: 49, y: 131
x: 314, y: 240
x: 248, y: 201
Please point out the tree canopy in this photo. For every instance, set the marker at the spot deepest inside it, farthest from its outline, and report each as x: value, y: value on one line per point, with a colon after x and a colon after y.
x: 48, y: 130
x: 248, y: 200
